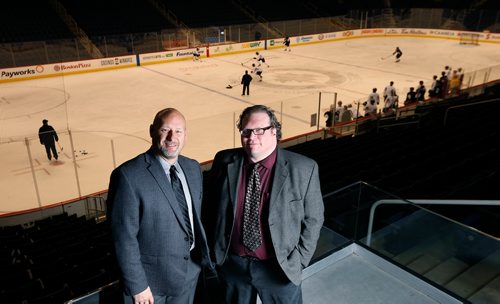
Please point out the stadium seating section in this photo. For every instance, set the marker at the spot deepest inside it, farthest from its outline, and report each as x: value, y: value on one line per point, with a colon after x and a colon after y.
x: 55, y: 259
x: 31, y: 21
x: 26, y: 21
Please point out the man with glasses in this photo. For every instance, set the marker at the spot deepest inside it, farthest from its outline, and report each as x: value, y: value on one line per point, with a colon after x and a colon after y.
x: 263, y: 213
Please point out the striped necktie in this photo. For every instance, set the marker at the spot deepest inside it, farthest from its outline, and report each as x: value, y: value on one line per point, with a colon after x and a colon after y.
x: 181, y: 199
x: 251, y: 224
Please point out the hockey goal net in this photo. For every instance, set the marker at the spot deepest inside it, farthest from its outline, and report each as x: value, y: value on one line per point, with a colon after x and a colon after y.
x: 469, y: 38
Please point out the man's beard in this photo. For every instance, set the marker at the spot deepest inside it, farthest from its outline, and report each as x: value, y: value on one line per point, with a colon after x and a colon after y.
x: 169, y: 155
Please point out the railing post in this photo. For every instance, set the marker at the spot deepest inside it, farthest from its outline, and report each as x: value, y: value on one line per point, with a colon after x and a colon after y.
x: 77, y: 49
x: 113, y: 152
x: 74, y: 163
x: 46, y: 52
x: 319, y: 110
x: 35, y: 183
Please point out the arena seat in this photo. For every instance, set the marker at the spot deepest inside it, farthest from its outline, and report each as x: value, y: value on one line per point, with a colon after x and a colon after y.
x: 33, y: 21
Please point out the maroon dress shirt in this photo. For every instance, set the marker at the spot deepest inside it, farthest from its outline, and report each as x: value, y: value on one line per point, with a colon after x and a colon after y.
x: 265, y: 250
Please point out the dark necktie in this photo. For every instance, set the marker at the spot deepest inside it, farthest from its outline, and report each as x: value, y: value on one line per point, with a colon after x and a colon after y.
x: 181, y: 199
x: 251, y: 227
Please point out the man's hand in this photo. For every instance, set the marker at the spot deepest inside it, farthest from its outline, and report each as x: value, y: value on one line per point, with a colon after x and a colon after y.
x: 144, y: 297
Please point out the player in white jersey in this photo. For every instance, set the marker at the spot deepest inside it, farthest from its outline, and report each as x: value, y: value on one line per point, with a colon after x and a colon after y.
x: 374, y: 96
x: 389, y: 90
x: 256, y: 69
x: 260, y: 58
x: 196, y: 55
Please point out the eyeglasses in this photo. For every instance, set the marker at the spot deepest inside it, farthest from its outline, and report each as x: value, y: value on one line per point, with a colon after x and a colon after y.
x: 256, y: 131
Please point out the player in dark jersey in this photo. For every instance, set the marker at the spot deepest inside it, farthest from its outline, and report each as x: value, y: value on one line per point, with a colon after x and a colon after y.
x: 286, y: 42
x: 398, y: 54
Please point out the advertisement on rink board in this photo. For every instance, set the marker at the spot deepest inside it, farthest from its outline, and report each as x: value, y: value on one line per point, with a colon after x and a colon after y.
x: 275, y: 43
x: 161, y: 57
x: 66, y: 68
x: 224, y: 49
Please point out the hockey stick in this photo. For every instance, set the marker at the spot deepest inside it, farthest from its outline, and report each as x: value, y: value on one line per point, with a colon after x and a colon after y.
x: 384, y: 58
x: 247, y: 61
x: 59, y: 145
x: 233, y: 82
x: 229, y: 86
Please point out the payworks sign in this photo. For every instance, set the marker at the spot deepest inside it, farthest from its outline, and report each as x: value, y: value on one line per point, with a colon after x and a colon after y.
x: 16, y: 73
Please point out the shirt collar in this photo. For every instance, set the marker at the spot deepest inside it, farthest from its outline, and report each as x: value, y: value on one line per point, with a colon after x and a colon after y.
x: 166, y: 166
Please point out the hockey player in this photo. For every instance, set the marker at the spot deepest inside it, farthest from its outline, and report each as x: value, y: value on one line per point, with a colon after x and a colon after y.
x: 420, y: 92
x: 374, y: 96
x: 260, y: 58
x: 411, y: 96
x: 391, y: 103
x: 286, y: 42
x: 257, y: 70
x: 389, y: 90
x: 196, y: 55
x: 398, y: 54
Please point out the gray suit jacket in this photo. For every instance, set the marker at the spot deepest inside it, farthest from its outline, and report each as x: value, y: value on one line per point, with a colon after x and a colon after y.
x: 295, y: 209
x: 149, y: 233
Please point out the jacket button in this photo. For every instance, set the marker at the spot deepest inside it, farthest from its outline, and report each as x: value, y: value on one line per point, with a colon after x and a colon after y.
x: 186, y: 258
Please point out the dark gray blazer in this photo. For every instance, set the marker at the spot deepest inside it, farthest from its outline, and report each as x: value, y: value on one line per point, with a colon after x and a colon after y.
x: 295, y: 210
x: 149, y: 233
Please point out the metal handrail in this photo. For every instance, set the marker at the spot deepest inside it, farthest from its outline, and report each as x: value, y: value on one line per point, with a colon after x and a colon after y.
x: 430, y: 202
x: 466, y: 105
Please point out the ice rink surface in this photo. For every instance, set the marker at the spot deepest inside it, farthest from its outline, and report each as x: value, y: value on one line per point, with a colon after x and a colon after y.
x: 120, y: 104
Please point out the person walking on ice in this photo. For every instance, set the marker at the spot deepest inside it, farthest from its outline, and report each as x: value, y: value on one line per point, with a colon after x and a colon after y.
x: 48, y: 138
x: 245, y: 81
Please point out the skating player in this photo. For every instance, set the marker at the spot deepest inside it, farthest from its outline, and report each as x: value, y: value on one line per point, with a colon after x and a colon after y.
x: 287, y: 44
x: 398, y: 54
x: 196, y: 55
x: 257, y: 70
x: 260, y: 58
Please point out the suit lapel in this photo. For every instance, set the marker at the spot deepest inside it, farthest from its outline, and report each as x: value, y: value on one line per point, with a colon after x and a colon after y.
x: 233, y: 175
x: 156, y: 170
x: 280, y: 175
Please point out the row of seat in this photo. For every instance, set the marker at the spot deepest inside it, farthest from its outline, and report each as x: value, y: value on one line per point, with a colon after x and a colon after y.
x: 55, y: 259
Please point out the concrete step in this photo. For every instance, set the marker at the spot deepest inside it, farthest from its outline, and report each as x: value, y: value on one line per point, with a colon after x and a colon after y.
x: 424, y: 263
x: 488, y: 294
x: 434, y: 246
x: 446, y: 271
x: 477, y: 276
